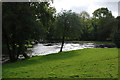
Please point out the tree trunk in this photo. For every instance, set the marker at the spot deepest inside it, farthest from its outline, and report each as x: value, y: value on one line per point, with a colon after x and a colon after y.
x: 14, y: 53
x: 11, y: 56
x: 63, y: 35
x: 22, y: 50
x: 25, y: 55
x: 62, y: 44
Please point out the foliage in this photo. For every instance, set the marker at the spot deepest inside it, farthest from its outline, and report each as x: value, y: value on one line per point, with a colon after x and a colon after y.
x: 17, y: 27
x: 102, y: 12
x: 68, y: 24
x: 116, y: 35
x: 105, y: 28
x: 23, y: 22
x: 86, y: 25
x: 104, y: 25
x: 84, y: 63
x: 44, y: 15
x: 116, y: 39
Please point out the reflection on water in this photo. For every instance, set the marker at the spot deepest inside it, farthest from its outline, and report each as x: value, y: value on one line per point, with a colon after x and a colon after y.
x: 44, y: 49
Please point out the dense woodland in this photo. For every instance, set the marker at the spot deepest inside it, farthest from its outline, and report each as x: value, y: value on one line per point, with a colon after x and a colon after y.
x: 27, y: 22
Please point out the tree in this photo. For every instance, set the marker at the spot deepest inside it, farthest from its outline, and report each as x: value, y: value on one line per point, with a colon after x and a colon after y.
x: 17, y: 26
x: 86, y: 25
x: 102, y: 12
x: 94, y: 31
x: 116, y: 34
x: 44, y: 15
x: 104, y: 24
x: 68, y: 26
x: 20, y: 24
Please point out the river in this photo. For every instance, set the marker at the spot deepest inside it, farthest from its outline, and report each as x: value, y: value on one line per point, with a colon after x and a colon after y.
x: 48, y: 48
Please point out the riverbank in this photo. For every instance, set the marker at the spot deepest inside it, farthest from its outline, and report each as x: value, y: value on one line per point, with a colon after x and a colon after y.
x: 97, y: 42
x: 84, y: 63
x: 49, y: 48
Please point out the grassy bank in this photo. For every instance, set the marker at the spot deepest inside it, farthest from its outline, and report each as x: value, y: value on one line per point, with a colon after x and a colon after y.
x: 97, y: 42
x: 85, y: 63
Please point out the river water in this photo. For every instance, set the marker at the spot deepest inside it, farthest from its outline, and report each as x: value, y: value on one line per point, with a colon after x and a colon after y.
x: 48, y: 48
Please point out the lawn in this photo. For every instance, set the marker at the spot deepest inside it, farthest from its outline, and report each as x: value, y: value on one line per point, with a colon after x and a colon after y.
x: 84, y: 63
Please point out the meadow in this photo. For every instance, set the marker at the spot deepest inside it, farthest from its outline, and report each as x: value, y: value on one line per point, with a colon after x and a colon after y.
x: 84, y: 63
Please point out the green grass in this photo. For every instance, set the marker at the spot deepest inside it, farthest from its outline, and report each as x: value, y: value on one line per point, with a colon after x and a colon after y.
x: 84, y: 63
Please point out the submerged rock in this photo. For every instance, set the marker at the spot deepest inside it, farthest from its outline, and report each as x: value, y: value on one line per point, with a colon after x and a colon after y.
x: 50, y: 44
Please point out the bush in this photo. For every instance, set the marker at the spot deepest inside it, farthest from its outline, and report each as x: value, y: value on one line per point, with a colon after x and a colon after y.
x: 116, y: 39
